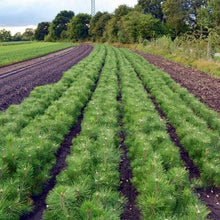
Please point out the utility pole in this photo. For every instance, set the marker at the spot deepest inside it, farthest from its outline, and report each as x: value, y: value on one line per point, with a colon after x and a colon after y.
x: 92, y: 7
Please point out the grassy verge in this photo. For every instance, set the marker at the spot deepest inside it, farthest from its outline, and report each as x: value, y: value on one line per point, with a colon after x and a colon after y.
x: 16, y: 53
x: 189, y: 54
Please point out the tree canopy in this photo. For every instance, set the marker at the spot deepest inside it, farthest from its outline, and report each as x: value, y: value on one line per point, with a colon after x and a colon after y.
x: 153, y: 7
x: 42, y: 30
x: 60, y: 24
x: 78, y: 27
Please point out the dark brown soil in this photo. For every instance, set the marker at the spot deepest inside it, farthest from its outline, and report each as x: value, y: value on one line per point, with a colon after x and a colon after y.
x: 14, y: 88
x: 131, y: 212
x: 61, y: 154
x: 203, y: 86
x: 210, y: 197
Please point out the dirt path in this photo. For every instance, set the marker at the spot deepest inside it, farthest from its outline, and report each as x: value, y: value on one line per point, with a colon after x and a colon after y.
x: 203, y: 86
x: 22, y: 78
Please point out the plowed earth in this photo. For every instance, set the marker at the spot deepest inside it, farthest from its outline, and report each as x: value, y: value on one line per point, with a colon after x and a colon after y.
x: 203, y: 86
x: 23, y: 77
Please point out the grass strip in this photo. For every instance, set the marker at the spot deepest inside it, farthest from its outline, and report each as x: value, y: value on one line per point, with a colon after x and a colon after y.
x: 16, y: 53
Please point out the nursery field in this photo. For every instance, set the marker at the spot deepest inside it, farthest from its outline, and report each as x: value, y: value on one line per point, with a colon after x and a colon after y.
x: 114, y: 138
x: 11, y: 53
x: 19, y: 79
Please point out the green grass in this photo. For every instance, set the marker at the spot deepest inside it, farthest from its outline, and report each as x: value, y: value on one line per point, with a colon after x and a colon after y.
x: 15, y: 53
x: 15, y: 43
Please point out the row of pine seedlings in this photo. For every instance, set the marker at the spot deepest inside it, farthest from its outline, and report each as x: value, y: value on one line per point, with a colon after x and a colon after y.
x: 159, y: 174
x: 87, y: 188
x: 197, y: 127
x: 19, y: 116
x: 30, y: 141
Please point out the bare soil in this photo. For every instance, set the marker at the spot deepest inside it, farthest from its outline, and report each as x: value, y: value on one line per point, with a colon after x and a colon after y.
x: 211, y: 197
x: 203, y: 86
x: 29, y: 74
x: 131, y: 211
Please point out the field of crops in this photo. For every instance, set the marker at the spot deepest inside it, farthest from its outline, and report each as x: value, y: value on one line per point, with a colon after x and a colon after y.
x: 18, y: 52
x: 115, y: 116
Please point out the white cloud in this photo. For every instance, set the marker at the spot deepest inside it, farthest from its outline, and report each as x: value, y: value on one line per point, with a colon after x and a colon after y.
x: 31, y: 12
x: 16, y: 29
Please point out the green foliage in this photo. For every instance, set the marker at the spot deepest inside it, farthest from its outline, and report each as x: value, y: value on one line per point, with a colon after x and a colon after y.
x: 136, y: 27
x: 175, y: 16
x: 78, y: 28
x: 41, y: 31
x: 198, y: 128
x: 92, y: 173
x: 5, y: 35
x: 152, y: 7
x: 28, y: 34
x: 59, y: 24
x: 181, y: 15
x: 34, y: 137
x: 98, y: 24
x: 114, y: 24
x: 159, y: 174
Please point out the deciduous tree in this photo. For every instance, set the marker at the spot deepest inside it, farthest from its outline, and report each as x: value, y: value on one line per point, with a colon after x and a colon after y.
x: 78, y: 29
x: 97, y: 26
x: 153, y: 7
x: 42, y: 30
x: 28, y: 34
x: 59, y: 24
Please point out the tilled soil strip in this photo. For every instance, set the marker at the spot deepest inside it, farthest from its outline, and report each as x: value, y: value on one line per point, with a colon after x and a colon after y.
x: 14, y: 88
x: 210, y: 197
x: 61, y: 154
x: 130, y: 212
x: 203, y: 86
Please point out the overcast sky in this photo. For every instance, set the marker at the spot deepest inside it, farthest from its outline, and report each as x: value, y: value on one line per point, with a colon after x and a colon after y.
x: 31, y: 12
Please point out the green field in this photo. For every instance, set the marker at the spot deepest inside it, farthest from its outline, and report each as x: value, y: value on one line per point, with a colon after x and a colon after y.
x: 32, y: 132
x: 14, y: 43
x: 15, y: 53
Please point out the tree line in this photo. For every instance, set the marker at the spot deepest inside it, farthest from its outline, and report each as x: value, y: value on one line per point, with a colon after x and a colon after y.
x: 149, y: 19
